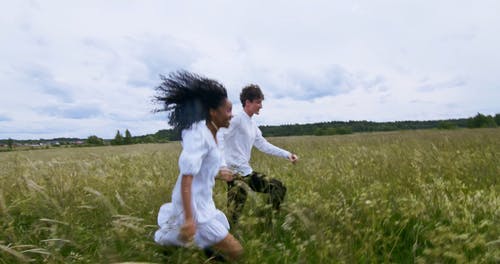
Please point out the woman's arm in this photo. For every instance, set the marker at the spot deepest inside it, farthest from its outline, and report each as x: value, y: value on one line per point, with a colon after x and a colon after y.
x: 188, y: 229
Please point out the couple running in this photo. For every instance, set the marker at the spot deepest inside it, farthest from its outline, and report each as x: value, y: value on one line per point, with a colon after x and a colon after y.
x: 213, y: 146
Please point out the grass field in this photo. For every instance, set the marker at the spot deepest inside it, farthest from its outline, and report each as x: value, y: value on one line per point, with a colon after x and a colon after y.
x: 397, y: 197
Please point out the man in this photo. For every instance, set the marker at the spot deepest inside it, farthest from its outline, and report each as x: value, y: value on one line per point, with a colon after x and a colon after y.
x: 236, y: 142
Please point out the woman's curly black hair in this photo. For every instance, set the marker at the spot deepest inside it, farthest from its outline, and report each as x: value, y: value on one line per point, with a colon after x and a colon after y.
x: 188, y: 97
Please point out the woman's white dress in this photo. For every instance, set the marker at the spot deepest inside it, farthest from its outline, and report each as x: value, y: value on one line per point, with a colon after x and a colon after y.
x: 201, y: 158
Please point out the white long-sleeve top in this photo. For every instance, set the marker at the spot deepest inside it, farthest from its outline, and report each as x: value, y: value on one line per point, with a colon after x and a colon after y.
x: 237, y: 140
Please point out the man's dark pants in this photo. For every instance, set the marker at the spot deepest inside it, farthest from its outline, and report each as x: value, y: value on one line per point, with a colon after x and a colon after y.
x: 258, y: 182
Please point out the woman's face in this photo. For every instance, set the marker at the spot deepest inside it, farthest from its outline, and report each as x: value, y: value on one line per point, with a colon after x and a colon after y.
x: 222, y: 114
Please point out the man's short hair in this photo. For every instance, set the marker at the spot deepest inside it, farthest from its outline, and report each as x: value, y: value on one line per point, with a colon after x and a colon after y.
x: 250, y: 92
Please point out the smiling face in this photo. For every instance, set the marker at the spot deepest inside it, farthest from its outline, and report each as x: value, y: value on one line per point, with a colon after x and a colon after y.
x: 253, y: 107
x: 222, y: 114
x: 251, y: 98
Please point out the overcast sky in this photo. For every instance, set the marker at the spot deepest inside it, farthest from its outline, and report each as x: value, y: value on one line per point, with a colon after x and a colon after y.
x: 81, y: 68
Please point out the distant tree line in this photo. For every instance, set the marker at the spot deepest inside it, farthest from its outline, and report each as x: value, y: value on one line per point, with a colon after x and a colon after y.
x: 341, y: 127
x: 161, y: 136
x: 317, y: 129
x: 119, y: 139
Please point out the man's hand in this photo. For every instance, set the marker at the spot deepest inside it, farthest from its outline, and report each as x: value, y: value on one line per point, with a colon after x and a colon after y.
x: 226, y: 174
x: 293, y: 158
x: 188, y: 229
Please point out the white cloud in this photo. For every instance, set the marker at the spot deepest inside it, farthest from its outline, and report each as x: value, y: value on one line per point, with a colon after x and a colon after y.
x: 89, y: 67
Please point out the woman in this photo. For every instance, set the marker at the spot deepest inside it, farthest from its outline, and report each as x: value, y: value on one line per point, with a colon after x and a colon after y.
x: 198, y: 107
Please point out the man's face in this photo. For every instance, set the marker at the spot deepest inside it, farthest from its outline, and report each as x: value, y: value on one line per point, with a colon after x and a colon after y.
x: 254, y: 106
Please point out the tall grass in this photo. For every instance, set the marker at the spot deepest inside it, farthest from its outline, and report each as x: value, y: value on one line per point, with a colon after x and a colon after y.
x: 400, y: 197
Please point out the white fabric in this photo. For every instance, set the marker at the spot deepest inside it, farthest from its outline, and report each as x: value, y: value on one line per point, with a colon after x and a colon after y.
x: 201, y: 158
x: 237, y: 140
x: 207, y: 234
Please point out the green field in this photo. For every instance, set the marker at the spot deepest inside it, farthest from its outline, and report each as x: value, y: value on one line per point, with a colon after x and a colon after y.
x: 425, y: 196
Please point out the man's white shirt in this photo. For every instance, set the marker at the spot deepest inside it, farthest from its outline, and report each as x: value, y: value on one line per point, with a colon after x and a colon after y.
x: 237, y: 140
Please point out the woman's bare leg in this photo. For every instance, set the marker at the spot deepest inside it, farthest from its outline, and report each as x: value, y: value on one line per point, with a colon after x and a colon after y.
x: 230, y: 247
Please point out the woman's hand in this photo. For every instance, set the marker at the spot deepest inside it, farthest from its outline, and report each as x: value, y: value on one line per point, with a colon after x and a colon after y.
x: 188, y: 229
